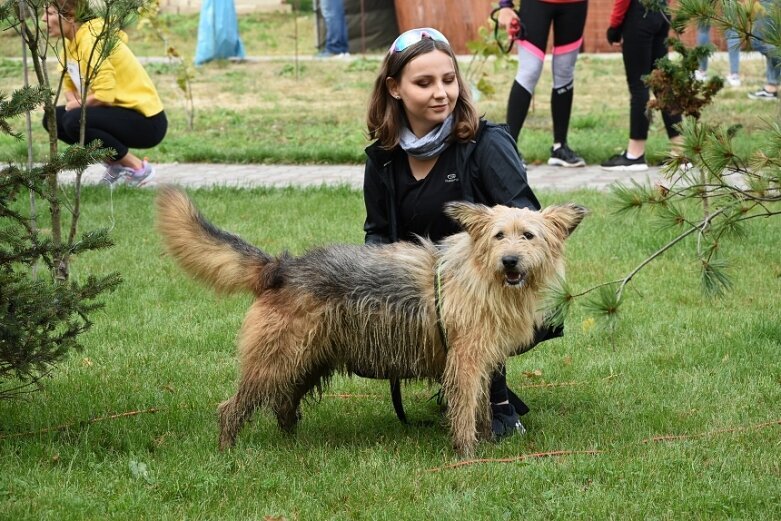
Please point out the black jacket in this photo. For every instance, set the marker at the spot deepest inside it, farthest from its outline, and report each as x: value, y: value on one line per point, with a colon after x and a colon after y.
x: 489, y: 167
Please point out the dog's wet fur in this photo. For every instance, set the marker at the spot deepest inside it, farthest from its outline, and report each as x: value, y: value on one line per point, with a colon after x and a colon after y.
x: 369, y: 309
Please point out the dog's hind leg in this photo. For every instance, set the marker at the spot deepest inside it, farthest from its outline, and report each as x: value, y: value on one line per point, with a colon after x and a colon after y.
x: 287, y: 408
x: 234, y: 412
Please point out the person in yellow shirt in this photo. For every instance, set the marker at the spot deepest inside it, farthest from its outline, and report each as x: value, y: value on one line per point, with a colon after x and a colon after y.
x: 123, y: 107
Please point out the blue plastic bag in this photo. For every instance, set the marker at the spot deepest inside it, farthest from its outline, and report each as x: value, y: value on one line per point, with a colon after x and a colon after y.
x: 218, y: 32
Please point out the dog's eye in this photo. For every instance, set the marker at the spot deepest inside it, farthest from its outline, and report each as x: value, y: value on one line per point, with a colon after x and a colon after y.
x: 499, y: 236
x: 528, y: 236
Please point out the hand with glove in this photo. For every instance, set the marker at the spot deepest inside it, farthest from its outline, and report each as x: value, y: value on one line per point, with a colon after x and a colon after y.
x: 613, y: 35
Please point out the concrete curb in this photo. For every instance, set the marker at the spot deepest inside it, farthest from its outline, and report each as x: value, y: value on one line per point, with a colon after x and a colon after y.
x: 198, y: 175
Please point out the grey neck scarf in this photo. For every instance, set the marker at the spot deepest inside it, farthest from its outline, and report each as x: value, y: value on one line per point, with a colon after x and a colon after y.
x: 430, y: 145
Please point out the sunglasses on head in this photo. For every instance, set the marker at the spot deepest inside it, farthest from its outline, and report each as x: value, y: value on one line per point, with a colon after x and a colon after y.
x: 413, y: 36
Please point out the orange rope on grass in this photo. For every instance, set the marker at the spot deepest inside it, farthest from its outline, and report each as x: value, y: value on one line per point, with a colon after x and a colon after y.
x: 679, y: 437
x: 82, y: 422
x: 520, y: 457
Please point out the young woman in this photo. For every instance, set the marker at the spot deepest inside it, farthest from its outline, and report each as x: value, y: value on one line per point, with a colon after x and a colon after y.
x: 122, y: 104
x: 568, y: 18
x: 431, y: 148
x: 643, y: 33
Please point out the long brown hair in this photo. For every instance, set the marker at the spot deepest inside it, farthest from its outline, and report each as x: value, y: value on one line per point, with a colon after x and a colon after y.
x: 385, y: 118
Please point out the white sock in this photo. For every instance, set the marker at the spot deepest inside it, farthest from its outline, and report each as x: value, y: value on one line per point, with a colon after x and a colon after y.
x: 630, y: 156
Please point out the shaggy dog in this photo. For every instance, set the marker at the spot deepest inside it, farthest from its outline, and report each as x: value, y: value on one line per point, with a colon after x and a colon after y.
x: 450, y: 312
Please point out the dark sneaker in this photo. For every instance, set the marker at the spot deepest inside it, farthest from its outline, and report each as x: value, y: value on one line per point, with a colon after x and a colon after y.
x: 564, y: 156
x: 621, y: 163
x: 763, y: 95
x: 505, y: 421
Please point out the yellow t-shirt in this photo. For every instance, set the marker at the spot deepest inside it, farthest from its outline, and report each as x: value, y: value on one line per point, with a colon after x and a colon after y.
x: 120, y: 80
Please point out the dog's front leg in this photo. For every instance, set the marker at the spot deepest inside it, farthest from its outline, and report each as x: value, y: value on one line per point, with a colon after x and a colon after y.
x: 462, y: 383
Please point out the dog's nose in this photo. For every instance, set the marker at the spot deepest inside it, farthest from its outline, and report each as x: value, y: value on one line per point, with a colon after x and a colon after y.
x: 510, y: 261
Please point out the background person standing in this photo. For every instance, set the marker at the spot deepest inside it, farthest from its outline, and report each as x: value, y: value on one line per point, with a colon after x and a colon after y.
x: 567, y: 18
x: 642, y: 34
x: 336, y: 38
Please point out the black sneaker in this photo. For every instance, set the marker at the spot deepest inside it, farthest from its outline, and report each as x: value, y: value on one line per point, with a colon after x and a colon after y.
x: 763, y: 94
x: 565, y: 156
x: 505, y: 421
x: 621, y: 163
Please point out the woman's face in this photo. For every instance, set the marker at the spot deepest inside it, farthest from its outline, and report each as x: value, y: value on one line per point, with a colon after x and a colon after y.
x: 428, y: 88
x: 57, y: 25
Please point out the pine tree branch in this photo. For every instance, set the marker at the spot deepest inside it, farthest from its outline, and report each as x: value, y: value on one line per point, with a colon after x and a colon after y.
x: 664, y: 249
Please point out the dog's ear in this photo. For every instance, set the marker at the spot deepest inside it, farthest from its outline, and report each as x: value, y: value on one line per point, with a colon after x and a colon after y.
x: 468, y: 215
x: 565, y: 218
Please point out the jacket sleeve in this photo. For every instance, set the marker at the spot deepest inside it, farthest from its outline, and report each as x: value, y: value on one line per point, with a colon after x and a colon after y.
x: 104, y: 82
x: 617, y: 15
x: 500, y: 171
x: 376, y: 225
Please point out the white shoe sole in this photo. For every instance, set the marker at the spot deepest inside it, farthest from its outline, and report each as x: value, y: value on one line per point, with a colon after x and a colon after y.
x: 626, y: 168
x: 560, y: 162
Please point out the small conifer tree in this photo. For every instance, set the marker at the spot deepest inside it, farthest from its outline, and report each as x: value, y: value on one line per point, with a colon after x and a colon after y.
x: 43, y: 309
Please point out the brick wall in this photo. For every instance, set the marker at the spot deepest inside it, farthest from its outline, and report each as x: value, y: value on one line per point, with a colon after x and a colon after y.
x: 460, y: 24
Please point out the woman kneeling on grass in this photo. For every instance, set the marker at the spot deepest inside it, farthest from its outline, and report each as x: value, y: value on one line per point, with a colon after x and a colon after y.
x: 432, y: 148
x: 122, y: 104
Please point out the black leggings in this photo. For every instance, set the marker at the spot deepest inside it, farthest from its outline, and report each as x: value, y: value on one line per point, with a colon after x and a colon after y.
x: 644, y: 33
x: 537, y: 17
x: 116, y: 127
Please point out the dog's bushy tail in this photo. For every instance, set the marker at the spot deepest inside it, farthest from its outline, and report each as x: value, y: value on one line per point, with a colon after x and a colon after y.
x: 220, y: 259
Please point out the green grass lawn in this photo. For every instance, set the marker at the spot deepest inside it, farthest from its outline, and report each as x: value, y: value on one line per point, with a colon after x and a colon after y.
x: 679, y: 364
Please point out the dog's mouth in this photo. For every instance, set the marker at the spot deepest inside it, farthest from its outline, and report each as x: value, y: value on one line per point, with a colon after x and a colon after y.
x: 514, y: 278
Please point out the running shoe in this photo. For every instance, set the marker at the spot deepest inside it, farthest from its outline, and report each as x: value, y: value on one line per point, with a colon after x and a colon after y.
x: 621, y: 163
x: 733, y: 80
x: 763, y: 94
x: 113, y: 173
x: 505, y: 421
x: 565, y: 156
x: 141, y: 176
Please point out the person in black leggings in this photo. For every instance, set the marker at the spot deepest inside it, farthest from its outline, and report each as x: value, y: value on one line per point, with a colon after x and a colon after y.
x: 568, y: 18
x: 643, y: 33
x: 117, y: 127
x: 122, y: 106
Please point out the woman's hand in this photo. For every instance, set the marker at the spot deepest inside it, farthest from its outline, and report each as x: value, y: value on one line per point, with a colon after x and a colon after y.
x: 614, y: 36
x: 506, y: 17
x: 74, y: 102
